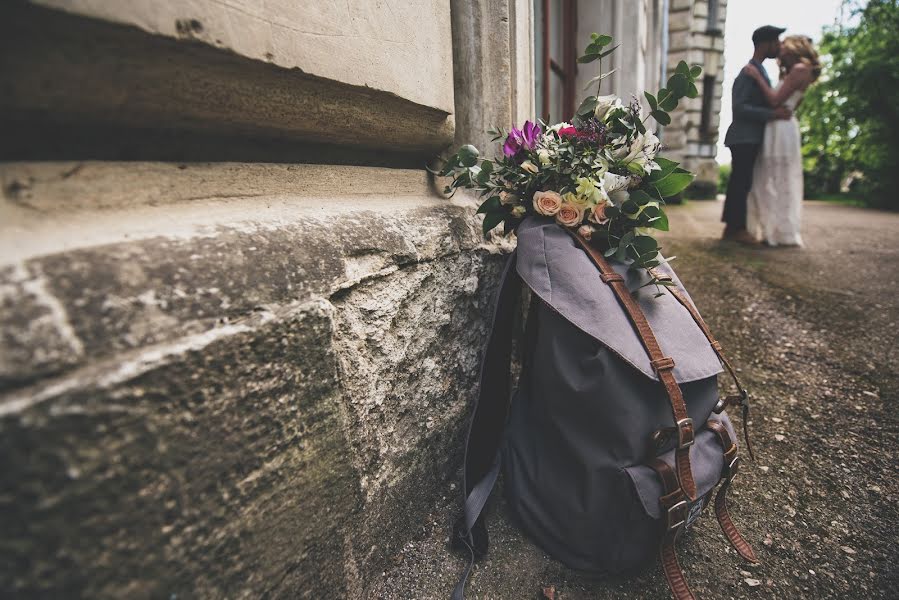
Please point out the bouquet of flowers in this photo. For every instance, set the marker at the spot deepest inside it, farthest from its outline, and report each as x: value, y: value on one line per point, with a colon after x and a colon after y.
x: 599, y: 175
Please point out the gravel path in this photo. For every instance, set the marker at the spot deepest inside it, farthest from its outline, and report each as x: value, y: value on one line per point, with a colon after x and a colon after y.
x: 813, y: 332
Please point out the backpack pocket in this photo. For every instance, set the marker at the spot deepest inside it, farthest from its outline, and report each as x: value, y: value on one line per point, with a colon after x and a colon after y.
x: 647, y: 518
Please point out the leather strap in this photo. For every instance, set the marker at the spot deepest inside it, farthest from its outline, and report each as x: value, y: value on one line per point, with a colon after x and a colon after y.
x: 663, y: 365
x: 675, y: 508
x: 739, y: 399
x: 728, y: 471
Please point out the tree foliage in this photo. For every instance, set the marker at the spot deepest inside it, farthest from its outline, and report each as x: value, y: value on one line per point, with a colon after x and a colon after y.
x: 850, y: 117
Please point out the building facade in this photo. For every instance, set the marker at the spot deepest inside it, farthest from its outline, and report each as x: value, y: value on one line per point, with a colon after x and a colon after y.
x: 241, y: 326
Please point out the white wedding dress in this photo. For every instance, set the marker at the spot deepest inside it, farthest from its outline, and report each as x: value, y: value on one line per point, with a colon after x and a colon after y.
x: 774, y: 205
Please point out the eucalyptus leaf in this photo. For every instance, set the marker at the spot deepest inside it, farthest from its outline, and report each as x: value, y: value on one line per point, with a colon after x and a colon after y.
x: 602, y: 40
x: 695, y: 71
x: 662, y: 118
x: 653, y: 103
x: 468, y: 155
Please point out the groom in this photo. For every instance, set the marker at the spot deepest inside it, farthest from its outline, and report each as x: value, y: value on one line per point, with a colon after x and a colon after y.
x: 745, y: 134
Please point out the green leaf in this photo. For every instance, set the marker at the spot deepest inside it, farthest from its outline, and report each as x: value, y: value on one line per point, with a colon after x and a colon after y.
x: 653, y: 103
x: 638, y: 123
x: 587, y: 106
x: 662, y: 118
x: 612, y: 250
x: 640, y: 197
x: 468, y: 155
x: 609, y: 51
x: 692, y: 92
x: 635, y: 168
x: 645, y: 244
x: 673, y: 183
x: 612, y: 211
x: 682, y: 68
x: 486, y: 170
x: 491, y: 204
x: 587, y: 58
x: 668, y: 102
x: 599, y: 78
x: 695, y: 71
x: 491, y: 220
x: 627, y: 238
x: 678, y: 84
x: 668, y: 167
x: 660, y: 223
x: 602, y: 40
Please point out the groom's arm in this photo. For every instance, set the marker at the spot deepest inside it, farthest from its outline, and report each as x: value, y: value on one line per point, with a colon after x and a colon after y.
x: 741, y: 96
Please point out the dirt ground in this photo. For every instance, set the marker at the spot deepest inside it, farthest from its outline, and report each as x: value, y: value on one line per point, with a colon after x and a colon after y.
x: 813, y: 332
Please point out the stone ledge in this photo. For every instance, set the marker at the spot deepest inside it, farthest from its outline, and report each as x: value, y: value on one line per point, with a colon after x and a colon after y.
x: 123, y: 273
x: 67, y: 70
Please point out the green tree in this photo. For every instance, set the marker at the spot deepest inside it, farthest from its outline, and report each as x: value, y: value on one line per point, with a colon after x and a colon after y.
x: 850, y: 117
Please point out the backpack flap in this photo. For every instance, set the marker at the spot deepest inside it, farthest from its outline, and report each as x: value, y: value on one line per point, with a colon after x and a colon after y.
x: 563, y: 276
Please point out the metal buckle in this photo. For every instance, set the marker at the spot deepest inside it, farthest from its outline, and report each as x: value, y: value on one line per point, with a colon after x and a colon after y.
x: 681, y: 519
x: 730, y: 471
x: 686, y: 435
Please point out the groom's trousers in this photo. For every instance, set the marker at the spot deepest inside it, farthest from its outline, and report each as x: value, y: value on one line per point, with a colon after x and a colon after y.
x: 742, y: 162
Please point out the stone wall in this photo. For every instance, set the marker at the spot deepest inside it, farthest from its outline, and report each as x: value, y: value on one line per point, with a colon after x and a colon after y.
x: 237, y: 378
x: 692, y: 40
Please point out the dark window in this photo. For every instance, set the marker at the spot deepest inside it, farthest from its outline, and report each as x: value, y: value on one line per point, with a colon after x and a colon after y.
x: 712, y: 27
x: 556, y: 58
x: 708, y: 97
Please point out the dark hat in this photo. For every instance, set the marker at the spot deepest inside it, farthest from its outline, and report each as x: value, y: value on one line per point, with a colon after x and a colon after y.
x: 766, y: 33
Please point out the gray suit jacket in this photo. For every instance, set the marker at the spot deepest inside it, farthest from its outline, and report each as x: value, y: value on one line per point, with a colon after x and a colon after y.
x: 751, y: 110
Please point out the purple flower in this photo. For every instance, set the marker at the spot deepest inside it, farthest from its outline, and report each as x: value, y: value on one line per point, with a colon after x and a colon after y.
x: 519, y: 140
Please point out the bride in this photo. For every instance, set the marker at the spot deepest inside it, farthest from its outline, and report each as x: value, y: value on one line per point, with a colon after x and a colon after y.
x: 774, y: 206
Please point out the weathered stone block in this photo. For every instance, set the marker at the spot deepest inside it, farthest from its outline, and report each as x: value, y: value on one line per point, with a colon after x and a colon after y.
x: 214, y: 467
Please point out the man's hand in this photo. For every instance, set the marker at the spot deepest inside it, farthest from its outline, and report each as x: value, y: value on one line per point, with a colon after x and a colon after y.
x: 782, y: 112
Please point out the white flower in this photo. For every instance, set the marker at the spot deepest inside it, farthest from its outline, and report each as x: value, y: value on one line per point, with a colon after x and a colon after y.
x: 613, y: 182
x: 529, y: 167
x: 619, y: 197
x: 559, y: 126
x: 603, y: 104
x: 590, y: 190
x: 586, y: 231
x: 544, y: 156
x: 519, y: 211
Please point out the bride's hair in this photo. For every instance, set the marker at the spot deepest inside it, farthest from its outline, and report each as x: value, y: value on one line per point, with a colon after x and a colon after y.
x: 801, y: 47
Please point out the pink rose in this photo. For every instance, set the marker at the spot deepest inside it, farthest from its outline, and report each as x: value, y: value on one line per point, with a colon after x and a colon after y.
x: 598, y: 214
x: 570, y: 214
x: 586, y: 231
x: 547, y: 203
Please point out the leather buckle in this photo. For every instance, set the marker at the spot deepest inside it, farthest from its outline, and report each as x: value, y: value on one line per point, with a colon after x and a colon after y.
x: 686, y: 435
x: 677, y: 515
x: 730, y: 471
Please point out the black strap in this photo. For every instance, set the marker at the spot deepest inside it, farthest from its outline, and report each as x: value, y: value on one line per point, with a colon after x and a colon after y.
x: 482, y: 448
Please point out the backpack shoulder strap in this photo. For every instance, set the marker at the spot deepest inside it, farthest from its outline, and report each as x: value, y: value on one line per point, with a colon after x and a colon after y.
x: 662, y: 364
x: 741, y: 398
x: 489, y: 413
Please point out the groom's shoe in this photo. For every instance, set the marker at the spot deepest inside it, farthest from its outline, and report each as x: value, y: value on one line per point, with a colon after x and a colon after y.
x: 744, y: 237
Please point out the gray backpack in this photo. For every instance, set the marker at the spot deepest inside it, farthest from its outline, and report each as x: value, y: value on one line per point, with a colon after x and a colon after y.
x: 615, y: 438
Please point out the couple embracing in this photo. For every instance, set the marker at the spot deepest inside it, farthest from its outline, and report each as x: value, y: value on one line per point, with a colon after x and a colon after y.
x: 764, y: 194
